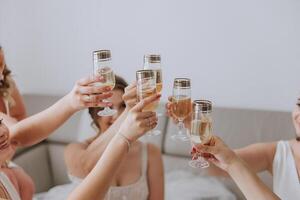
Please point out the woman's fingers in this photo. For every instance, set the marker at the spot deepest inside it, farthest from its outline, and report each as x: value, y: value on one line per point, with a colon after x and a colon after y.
x: 93, y: 89
x: 3, y: 135
x: 89, y: 80
x: 131, y: 103
x: 144, y: 115
x: 131, y: 94
x: 99, y: 104
x: 131, y: 86
x: 149, y: 123
x: 150, y: 127
x: 207, y: 149
x: 3, y: 138
x: 95, y: 98
x: 143, y: 103
x: 4, y: 145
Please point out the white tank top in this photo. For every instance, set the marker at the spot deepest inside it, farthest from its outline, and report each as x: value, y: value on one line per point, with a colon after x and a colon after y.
x: 286, y: 182
x: 138, y: 190
x: 9, y: 187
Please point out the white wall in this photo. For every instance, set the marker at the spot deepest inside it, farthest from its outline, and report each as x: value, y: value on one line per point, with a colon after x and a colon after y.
x: 238, y: 53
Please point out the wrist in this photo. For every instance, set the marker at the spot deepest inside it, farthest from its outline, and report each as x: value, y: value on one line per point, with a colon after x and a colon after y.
x: 234, y: 165
x: 68, y: 104
x: 123, y: 141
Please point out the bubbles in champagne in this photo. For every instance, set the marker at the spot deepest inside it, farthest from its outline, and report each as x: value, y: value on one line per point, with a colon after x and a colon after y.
x: 146, y: 88
x: 107, y: 75
x: 181, y: 106
x: 201, y: 130
x: 158, y: 80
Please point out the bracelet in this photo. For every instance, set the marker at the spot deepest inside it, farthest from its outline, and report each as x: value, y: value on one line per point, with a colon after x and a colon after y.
x: 126, y: 140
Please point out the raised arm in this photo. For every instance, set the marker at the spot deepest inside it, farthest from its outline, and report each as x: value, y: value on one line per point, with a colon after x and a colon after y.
x: 81, y: 158
x: 249, y: 183
x: 259, y: 157
x: 38, y: 127
x: 96, y: 184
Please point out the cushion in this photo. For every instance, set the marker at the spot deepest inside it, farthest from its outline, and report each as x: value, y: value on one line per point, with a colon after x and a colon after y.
x: 35, y: 161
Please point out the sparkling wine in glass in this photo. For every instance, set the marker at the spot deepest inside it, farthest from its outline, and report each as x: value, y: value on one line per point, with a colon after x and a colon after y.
x: 103, y: 68
x: 201, y: 129
x: 181, y: 108
x: 153, y: 62
x: 146, y: 86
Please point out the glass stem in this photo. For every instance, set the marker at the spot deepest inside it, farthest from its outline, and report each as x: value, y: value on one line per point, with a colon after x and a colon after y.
x: 180, y: 126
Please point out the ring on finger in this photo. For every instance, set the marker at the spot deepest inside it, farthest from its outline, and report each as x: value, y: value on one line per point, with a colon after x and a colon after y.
x: 87, y: 98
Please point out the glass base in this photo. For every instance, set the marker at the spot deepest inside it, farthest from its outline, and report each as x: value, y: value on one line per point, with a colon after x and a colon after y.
x: 180, y: 137
x: 107, y: 112
x: 154, y: 133
x: 199, y: 163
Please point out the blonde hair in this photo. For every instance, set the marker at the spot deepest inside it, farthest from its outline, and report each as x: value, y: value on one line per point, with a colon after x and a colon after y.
x: 6, y: 85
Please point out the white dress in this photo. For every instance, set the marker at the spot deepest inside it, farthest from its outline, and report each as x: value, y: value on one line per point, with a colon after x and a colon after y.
x: 286, y: 183
x: 138, y: 190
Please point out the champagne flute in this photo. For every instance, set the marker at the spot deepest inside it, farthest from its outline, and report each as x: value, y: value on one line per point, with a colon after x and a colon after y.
x: 146, y: 86
x: 181, y: 108
x: 201, y: 129
x: 153, y: 62
x: 103, y: 68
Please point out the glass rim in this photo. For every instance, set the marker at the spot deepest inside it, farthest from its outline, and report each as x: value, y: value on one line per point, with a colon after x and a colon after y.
x: 182, y: 83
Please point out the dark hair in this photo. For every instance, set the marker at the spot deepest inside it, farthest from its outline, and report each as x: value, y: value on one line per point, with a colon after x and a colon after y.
x: 6, y: 83
x: 121, y: 84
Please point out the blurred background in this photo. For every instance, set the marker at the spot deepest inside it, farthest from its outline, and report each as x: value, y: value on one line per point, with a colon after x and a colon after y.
x: 237, y: 53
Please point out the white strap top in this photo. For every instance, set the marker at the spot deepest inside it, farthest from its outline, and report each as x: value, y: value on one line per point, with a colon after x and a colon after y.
x: 285, y: 176
x: 11, y: 190
x: 138, y: 190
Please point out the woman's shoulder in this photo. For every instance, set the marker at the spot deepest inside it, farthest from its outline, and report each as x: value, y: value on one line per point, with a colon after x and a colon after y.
x: 79, y: 145
x: 73, y: 148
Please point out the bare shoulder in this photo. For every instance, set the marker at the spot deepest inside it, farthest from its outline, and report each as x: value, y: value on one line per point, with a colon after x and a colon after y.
x: 73, y: 149
x: 259, y: 155
x: 265, y: 148
x: 77, y: 146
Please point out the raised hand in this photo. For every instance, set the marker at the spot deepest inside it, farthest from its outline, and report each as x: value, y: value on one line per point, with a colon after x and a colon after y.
x: 218, y: 153
x: 84, y: 94
x: 138, y: 122
x: 170, y: 113
x: 130, y: 96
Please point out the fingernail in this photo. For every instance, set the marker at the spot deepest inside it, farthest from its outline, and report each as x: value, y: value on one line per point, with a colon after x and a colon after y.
x: 109, y: 104
x: 108, y: 88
